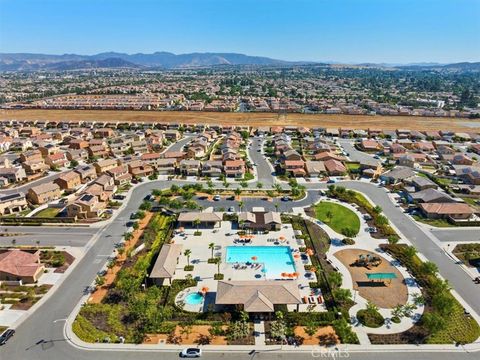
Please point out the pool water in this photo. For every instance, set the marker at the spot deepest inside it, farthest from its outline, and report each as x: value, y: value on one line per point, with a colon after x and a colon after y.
x: 193, y: 299
x: 275, y: 259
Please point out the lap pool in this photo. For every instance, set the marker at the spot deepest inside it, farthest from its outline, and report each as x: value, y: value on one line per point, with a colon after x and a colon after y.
x: 275, y: 259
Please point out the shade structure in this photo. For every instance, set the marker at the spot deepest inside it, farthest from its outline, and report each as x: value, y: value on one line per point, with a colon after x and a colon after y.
x: 381, y: 276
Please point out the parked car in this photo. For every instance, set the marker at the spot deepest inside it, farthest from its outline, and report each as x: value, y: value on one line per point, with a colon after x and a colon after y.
x: 216, y: 198
x: 7, y: 334
x: 231, y: 209
x: 286, y: 198
x: 191, y: 353
x: 230, y: 198
x: 119, y: 197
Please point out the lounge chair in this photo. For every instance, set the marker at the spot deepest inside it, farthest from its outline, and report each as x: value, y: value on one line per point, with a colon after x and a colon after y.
x: 305, y: 300
x: 319, y: 300
x: 311, y: 300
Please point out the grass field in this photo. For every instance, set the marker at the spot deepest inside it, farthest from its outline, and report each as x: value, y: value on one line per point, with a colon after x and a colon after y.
x: 48, y: 213
x: 341, y: 217
x: 253, y: 119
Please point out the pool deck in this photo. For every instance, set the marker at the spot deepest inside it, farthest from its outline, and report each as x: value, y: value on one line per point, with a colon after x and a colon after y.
x: 224, y: 236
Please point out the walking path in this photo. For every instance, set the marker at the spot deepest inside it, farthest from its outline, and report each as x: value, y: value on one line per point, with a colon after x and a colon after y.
x: 259, y: 330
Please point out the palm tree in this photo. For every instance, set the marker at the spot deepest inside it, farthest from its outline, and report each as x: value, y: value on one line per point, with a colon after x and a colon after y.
x: 329, y: 215
x: 278, y: 187
x: 187, y: 253
x: 211, y: 246
x: 240, y: 205
x: 218, y: 261
x: 276, y: 206
x: 14, y: 241
x: 377, y: 209
x: 238, y: 191
x: 197, y: 223
x: 38, y: 243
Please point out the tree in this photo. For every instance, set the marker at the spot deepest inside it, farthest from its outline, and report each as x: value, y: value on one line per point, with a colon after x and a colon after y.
x: 14, y: 241
x: 342, y: 295
x: 259, y: 185
x: 311, y: 328
x: 211, y: 246
x: 371, y: 307
x: 237, y: 191
x: 278, y: 188
x: 335, y: 279
x: 429, y: 268
x: 187, y: 253
x: 197, y: 222
x: 410, y: 252
x: 146, y: 205
x: 135, y: 225
x: 377, y: 209
x: 240, y: 205
x: 276, y: 206
x: 217, y: 261
x: 73, y: 163
x: 329, y: 216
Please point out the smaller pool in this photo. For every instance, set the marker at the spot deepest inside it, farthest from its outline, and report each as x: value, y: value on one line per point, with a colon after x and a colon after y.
x: 194, y: 299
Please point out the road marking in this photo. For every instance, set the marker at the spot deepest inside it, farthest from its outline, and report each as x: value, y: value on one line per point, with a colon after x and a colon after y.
x: 55, y: 321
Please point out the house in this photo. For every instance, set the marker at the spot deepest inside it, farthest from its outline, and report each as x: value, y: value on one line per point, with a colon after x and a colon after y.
x: 234, y: 168
x: 260, y: 220
x: 86, y: 172
x: 315, y: 168
x: 258, y: 296
x: 370, y: 145
x: 396, y: 148
x: 77, y: 144
x: 18, y: 265
x: 327, y: 155
x: 469, y: 174
x: 77, y: 155
x: 35, y: 166
x: 103, y: 133
x: 31, y: 155
x: 177, y: 155
x: 43, y: 193
x: 429, y: 196
x: 291, y: 155
x: 139, y: 146
x: 97, y: 151
x: 398, y: 174
x: 172, y: 135
x: 189, y: 167
x: 13, y: 174
x: 69, y: 180
x: 212, y: 168
x: 105, y: 165
x: 446, y: 210
x: 461, y: 159
x: 422, y: 183
x: 294, y: 167
x: 139, y: 169
x: 335, y: 167
x: 48, y: 149
x: 12, y: 203
x: 166, y: 166
x: 407, y: 160
x: 165, y: 265
x: 120, y: 174
x: 86, y: 206
x: 56, y: 160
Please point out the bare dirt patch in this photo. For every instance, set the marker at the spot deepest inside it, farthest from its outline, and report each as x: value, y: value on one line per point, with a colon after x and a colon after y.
x: 323, y: 336
x: 383, y: 294
x: 252, y: 119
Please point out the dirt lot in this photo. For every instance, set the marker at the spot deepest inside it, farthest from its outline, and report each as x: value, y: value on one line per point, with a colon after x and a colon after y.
x: 323, y: 336
x: 383, y: 295
x: 253, y: 119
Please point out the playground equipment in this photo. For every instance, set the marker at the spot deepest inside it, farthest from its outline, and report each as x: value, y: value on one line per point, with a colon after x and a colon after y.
x: 368, y: 260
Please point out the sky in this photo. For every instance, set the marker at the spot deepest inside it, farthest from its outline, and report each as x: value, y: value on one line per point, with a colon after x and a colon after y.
x: 348, y: 31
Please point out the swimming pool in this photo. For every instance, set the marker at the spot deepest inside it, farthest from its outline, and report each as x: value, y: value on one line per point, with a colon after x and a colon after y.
x: 275, y: 259
x: 193, y: 299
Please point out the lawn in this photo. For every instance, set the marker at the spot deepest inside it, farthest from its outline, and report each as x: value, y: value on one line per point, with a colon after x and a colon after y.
x: 433, y: 222
x: 338, y: 217
x: 48, y: 213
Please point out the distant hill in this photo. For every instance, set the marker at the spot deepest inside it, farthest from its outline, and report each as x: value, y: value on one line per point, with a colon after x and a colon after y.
x: 25, y: 62
x: 167, y: 60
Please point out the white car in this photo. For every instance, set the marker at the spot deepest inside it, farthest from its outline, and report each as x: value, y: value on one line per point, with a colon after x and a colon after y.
x: 191, y: 353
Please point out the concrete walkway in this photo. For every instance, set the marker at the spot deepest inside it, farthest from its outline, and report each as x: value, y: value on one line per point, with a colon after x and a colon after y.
x: 259, y: 331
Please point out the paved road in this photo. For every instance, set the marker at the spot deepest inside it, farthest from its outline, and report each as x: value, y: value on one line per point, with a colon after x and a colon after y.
x: 356, y: 155
x: 264, y: 170
x: 48, y: 236
x: 178, y: 146
x: 24, y: 188
x: 41, y: 336
x: 454, y: 235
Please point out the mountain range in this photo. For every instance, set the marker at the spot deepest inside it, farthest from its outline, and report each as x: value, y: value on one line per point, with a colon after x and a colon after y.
x: 167, y: 60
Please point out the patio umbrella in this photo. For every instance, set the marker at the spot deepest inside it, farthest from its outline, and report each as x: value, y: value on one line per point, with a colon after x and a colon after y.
x: 309, y: 252
x: 296, y: 256
x: 204, y: 290
x: 254, y: 258
x: 296, y: 274
x: 284, y: 274
x: 281, y: 237
x: 313, y: 269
